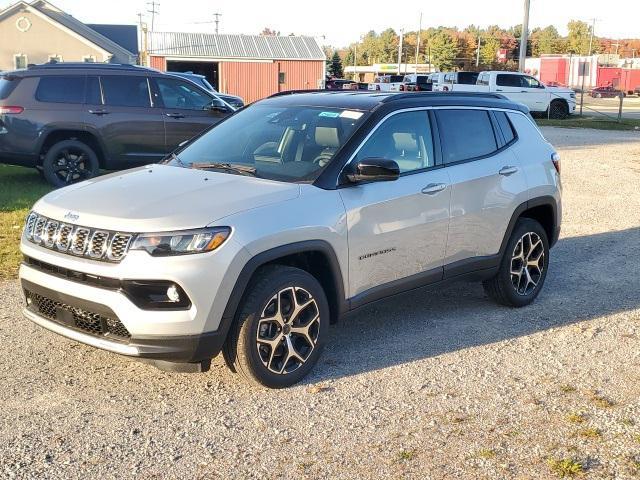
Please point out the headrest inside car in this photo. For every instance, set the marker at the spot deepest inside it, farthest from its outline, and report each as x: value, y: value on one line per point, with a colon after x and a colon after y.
x: 327, y: 137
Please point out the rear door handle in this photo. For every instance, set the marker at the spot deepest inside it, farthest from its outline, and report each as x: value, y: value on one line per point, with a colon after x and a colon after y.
x: 508, y: 170
x: 174, y: 115
x: 98, y: 112
x: 498, y: 89
x: 434, y: 188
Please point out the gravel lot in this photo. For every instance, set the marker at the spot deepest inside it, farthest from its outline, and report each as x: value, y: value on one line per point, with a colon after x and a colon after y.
x: 432, y: 384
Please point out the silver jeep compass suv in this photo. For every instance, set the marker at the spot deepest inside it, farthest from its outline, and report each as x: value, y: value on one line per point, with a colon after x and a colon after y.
x: 257, y: 235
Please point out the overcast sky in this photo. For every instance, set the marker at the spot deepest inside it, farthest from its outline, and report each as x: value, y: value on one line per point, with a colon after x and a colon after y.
x: 342, y: 22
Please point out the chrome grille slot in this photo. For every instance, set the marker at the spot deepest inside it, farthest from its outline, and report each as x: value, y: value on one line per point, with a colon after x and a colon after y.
x: 39, y: 229
x: 49, y: 234
x: 79, y: 240
x: 118, y: 247
x: 98, y: 244
x: 64, y: 237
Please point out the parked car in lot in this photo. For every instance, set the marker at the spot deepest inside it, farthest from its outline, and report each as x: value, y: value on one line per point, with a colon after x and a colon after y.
x: 437, y: 78
x: 336, y: 83
x: 256, y: 236
x: 386, y: 83
x: 637, y: 90
x: 416, y: 83
x: 556, y: 102
x: 605, y: 92
x: 200, y: 80
x: 451, y: 80
x: 72, y: 119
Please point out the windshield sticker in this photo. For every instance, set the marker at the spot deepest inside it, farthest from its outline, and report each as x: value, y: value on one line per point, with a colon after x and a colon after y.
x: 329, y: 114
x: 351, y: 114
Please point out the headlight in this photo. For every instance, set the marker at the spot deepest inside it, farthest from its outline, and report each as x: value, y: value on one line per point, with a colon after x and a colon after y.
x: 572, y: 95
x: 181, y: 243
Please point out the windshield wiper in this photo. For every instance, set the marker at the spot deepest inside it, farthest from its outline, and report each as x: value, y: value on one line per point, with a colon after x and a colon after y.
x: 173, y: 156
x: 228, y: 167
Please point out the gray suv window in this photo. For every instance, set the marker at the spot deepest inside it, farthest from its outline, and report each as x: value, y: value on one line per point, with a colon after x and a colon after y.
x: 465, y: 134
x: 179, y: 94
x: 122, y: 91
x: 405, y: 138
x: 61, y: 89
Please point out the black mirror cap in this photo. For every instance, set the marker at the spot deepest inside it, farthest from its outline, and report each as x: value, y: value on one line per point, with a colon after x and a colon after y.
x: 374, y: 170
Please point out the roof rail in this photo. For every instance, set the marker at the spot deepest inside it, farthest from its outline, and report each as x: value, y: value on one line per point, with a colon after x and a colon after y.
x: 96, y: 65
x: 402, y: 96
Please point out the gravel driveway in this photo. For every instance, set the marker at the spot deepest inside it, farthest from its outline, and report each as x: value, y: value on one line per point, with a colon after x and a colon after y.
x: 432, y: 384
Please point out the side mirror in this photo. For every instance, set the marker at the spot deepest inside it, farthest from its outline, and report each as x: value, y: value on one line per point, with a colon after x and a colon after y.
x: 374, y: 170
x: 220, y: 109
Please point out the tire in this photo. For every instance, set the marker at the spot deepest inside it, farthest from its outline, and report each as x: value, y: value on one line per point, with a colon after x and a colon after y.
x: 558, y: 109
x: 69, y: 161
x: 255, y: 347
x: 519, y: 290
x: 598, y: 95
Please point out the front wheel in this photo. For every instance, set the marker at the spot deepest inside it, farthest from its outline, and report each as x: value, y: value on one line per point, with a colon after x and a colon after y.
x: 523, y: 267
x: 558, y: 109
x: 281, y: 327
x: 69, y: 161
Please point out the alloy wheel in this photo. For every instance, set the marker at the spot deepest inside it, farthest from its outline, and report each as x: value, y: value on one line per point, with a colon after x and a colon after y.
x: 71, y: 165
x: 527, y: 263
x: 288, y: 330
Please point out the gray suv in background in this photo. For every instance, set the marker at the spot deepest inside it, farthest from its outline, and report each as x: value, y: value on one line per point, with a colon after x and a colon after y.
x: 71, y: 119
x: 257, y: 235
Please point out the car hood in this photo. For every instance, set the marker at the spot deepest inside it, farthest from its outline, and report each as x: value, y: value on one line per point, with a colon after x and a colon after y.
x: 563, y: 90
x: 161, y: 198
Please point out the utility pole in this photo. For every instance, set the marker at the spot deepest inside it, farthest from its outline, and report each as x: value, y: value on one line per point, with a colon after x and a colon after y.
x: 400, y: 51
x: 355, y: 61
x: 217, y: 20
x: 524, y: 36
x: 478, y: 51
x: 593, y: 28
x: 418, y: 42
x: 153, y: 10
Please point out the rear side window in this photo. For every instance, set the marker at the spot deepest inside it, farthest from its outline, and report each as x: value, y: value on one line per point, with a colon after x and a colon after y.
x: 505, y: 126
x: 7, y: 85
x: 61, y: 89
x: 465, y: 134
x: 122, y: 91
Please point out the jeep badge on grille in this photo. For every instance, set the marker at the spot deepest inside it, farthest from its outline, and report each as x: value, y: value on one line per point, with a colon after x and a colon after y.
x: 71, y: 216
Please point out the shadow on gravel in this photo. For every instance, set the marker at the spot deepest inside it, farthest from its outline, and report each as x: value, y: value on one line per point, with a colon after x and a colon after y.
x: 589, y: 277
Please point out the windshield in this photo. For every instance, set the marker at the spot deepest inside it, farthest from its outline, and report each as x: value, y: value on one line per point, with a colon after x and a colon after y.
x: 290, y: 144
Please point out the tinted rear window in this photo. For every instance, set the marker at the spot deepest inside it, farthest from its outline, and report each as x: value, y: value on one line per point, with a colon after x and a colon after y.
x: 508, y: 81
x: 121, y: 91
x: 61, y: 89
x: 466, y: 134
x: 467, y: 78
x: 7, y: 85
x: 505, y: 127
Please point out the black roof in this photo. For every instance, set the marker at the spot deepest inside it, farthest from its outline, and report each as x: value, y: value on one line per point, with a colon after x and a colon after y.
x: 369, y: 101
x: 124, y: 35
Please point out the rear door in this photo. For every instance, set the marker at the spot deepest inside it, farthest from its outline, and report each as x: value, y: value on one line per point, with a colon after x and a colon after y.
x: 398, y: 229
x: 487, y: 184
x: 187, y: 109
x: 121, y: 113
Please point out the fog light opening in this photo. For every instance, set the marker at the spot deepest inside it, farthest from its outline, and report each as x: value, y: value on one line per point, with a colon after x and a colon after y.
x: 173, y: 294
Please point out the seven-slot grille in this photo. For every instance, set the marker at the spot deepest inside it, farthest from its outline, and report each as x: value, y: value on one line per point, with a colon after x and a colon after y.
x: 77, y: 240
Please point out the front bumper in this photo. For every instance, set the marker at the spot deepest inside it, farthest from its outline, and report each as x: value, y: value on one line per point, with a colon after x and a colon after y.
x: 81, y: 320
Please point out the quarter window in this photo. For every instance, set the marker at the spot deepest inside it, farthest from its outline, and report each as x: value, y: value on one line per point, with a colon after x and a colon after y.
x: 122, y: 91
x: 465, y: 134
x: 405, y: 138
x: 181, y: 95
x: 505, y: 126
x: 61, y: 89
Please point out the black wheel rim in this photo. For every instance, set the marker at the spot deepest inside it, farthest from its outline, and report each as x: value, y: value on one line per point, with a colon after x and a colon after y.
x: 71, y: 165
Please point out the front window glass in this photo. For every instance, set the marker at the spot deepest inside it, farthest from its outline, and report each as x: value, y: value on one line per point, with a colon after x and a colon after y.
x: 289, y: 144
x: 404, y: 138
x: 181, y: 95
x: 530, y: 82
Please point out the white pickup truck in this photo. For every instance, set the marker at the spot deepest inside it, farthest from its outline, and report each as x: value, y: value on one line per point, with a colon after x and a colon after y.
x: 556, y: 102
x: 386, y: 83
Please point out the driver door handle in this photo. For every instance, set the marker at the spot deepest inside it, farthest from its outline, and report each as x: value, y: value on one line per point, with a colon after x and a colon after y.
x: 508, y: 170
x: 174, y: 115
x: 98, y: 112
x: 434, y: 188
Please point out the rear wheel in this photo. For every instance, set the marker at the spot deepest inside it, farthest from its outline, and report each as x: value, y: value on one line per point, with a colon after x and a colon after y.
x: 280, y: 329
x: 523, y: 268
x: 558, y: 109
x: 69, y: 161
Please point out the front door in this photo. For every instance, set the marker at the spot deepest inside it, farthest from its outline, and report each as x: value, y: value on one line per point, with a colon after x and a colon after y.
x: 119, y: 108
x: 398, y: 229
x: 187, y: 110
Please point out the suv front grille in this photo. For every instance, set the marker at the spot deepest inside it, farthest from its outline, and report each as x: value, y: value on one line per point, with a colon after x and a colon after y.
x: 77, y: 318
x: 77, y: 240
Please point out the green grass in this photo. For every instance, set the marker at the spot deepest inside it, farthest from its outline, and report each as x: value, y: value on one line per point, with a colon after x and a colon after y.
x: 600, y: 123
x: 19, y: 189
x: 565, y: 467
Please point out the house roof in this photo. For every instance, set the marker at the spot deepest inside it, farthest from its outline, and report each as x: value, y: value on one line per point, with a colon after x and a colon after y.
x: 53, y: 13
x: 124, y: 35
x: 250, y: 47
